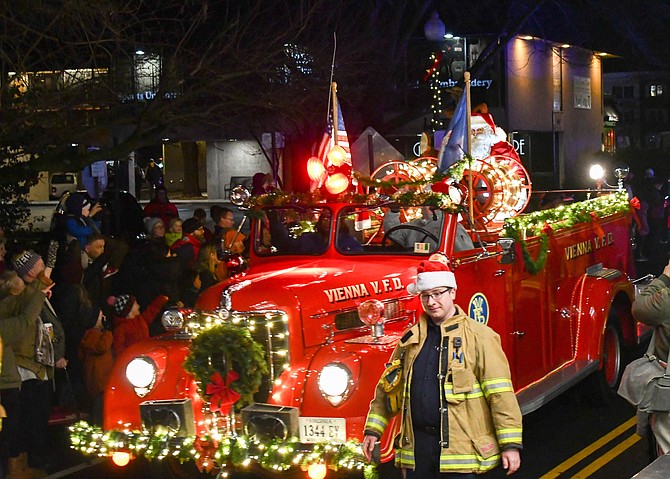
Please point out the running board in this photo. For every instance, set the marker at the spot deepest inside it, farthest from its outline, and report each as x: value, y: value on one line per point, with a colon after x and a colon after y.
x: 536, y: 395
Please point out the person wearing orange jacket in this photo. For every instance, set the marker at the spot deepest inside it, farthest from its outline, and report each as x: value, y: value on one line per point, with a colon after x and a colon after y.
x: 95, y: 353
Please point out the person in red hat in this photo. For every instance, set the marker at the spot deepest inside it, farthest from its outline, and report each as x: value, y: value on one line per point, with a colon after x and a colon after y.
x: 450, y: 381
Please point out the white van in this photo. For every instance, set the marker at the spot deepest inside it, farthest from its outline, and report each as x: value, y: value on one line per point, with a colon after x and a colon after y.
x: 59, y: 183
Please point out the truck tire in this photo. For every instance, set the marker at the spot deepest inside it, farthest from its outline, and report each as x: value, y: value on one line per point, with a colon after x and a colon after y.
x: 601, y: 388
x: 613, y: 356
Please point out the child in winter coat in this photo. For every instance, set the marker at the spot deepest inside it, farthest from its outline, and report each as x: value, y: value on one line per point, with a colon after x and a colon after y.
x: 95, y: 353
x: 131, y: 326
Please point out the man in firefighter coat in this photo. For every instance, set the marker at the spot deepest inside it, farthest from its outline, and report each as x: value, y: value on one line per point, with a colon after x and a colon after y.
x: 450, y: 381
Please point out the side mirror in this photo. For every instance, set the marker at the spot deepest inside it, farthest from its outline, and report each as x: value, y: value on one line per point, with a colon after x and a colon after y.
x: 507, y: 247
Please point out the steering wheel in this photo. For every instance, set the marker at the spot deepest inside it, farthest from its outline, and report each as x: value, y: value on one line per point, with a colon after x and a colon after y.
x: 426, y: 233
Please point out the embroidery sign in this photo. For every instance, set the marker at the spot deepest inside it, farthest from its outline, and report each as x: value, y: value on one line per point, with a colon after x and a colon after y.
x: 478, y: 309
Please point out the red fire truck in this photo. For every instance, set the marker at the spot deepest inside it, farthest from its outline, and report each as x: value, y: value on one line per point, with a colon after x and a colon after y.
x: 557, y: 285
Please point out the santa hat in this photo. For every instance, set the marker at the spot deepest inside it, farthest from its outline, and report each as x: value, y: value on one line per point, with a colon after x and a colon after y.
x: 431, y: 274
x: 122, y: 304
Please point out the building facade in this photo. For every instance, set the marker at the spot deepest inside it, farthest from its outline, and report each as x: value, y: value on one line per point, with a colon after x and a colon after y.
x: 642, y: 102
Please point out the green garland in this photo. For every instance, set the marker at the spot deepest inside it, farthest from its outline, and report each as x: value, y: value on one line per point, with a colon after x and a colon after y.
x: 535, y: 266
x: 565, y: 216
x: 224, y: 347
x: 401, y: 197
x: 232, y: 452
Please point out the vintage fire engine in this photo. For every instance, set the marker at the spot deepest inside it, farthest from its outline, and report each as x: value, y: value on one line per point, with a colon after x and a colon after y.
x: 557, y: 285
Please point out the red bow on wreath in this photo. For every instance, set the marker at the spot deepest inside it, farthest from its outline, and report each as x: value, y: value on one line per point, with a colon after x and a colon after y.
x: 222, y: 396
x: 206, y: 448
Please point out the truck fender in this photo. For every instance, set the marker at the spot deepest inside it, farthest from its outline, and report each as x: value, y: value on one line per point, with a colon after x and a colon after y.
x: 597, y: 299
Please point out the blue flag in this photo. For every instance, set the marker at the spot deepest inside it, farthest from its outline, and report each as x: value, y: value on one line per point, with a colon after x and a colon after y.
x: 455, y: 141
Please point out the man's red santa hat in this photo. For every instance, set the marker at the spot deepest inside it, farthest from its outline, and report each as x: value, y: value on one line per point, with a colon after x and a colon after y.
x: 433, y: 273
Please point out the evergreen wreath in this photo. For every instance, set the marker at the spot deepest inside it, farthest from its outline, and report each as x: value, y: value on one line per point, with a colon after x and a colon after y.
x: 224, y: 348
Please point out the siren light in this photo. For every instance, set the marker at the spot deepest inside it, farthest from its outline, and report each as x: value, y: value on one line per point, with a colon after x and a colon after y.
x: 315, y: 169
x: 337, y: 183
x: 337, y: 156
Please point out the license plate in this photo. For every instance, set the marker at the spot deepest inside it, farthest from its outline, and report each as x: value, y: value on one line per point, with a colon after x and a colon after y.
x: 319, y: 429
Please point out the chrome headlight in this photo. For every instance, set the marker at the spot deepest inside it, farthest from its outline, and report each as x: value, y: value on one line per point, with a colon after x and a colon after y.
x: 173, y: 320
x: 335, y: 382
x: 141, y: 373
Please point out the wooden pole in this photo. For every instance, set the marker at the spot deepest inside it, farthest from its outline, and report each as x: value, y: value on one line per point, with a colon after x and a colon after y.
x: 468, y: 144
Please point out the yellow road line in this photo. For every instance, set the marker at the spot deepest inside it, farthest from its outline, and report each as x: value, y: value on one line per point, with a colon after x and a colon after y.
x: 567, y: 464
x: 607, y: 457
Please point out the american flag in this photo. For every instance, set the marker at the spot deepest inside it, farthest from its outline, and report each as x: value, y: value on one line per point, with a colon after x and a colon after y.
x: 329, y: 141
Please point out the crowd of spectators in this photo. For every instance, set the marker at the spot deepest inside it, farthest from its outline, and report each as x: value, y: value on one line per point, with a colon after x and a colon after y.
x: 652, y: 195
x: 58, y: 345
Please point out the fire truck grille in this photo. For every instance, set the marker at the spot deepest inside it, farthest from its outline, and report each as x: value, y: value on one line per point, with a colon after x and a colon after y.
x: 270, y: 329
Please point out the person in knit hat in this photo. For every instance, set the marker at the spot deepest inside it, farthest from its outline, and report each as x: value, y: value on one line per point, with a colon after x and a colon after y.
x: 81, y: 222
x: 188, y: 246
x: 37, y: 373
x: 19, y: 314
x: 458, y: 411
x: 131, y: 326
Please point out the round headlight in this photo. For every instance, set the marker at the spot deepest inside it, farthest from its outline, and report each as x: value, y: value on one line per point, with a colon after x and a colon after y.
x: 334, y: 381
x: 173, y: 319
x: 141, y: 372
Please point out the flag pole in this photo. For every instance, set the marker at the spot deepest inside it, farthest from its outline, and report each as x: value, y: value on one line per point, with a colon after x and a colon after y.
x: 333, y: 87
x: 468, y: 143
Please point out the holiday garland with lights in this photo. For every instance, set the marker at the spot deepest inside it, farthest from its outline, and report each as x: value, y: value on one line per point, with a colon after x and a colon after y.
x: 545, y: 222
x: 403, y: 194
x: 227, y: 452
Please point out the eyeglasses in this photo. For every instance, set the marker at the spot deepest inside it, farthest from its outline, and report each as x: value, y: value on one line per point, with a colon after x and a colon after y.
x: 434, y: 296
x: 229, y: 218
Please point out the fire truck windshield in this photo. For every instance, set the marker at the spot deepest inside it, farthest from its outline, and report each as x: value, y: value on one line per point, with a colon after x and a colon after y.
x: 351, y: 230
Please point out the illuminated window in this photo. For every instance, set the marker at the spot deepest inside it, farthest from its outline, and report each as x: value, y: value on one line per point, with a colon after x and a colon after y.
x: 655, y: 90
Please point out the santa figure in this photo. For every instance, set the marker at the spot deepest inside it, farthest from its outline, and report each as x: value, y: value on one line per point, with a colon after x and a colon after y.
x: 488, y: 138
